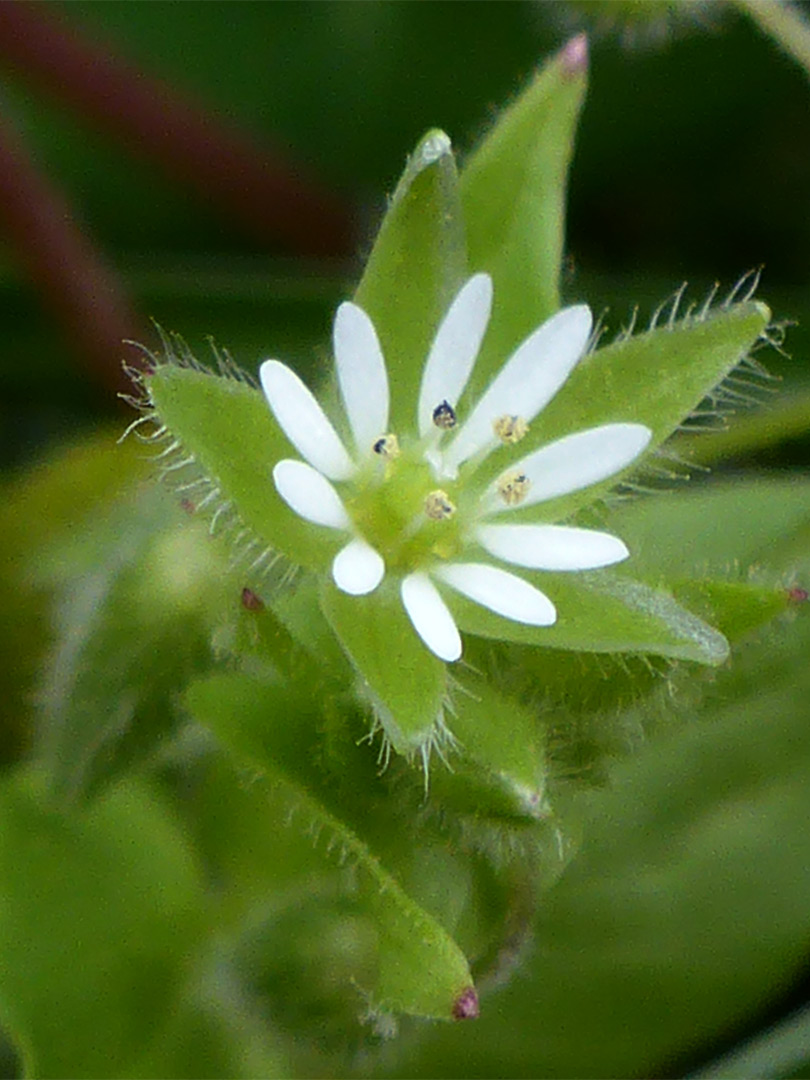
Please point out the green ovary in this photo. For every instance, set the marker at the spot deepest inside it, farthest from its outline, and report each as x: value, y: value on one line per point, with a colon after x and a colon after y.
x: 388, y: 510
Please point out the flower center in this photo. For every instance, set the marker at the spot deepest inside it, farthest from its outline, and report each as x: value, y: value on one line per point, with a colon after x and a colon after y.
x: 397, y: 508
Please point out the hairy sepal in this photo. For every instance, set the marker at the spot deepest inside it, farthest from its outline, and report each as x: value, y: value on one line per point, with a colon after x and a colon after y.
x: 420, y: 971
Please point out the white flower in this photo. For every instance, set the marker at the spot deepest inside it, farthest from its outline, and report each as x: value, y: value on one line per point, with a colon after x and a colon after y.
x: 409, y: 503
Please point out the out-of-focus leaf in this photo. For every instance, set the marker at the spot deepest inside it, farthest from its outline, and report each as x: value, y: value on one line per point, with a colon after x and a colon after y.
x: 99, y: 914
x: 780, y: 1051
x: 735, y: 608
x: 513, y: 192
x: 419, y: 969
x: 785, y: 417
x: 139, y: 596
x: 44, y: 503
x: 719, y: 527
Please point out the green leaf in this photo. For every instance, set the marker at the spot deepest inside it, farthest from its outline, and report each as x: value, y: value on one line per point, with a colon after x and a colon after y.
x: 229, y: 435
x: 420, y: 970
x: 398, y: 676
x: 686, y: 532
x: 785, y: 418
x: 513, y: 192
x: 99, y: 912
x: 736, y: 608
x: 37, y: 509
x: 780, y: 1050
x: 602, y: 612
x: 657, y: 378
x: 417, y: 265
x: 133, y: 623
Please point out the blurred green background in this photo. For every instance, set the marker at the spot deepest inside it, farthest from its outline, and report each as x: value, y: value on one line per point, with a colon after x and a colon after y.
x: 693, y: 164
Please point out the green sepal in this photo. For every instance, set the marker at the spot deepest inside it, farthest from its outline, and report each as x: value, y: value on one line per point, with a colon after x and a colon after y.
x: 657, y: 378
x: 404, y: 683
x: 416, y: 267
x: 601, y: 612
x: 500, y: 768
x: 513, y: 193
x: 420, y: 969
x: 227, y: 430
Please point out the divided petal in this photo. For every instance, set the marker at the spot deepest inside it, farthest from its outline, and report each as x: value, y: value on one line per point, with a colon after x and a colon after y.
x: 361, y: 374
x: 303, y: 421
x: 577, y: 461
x: 430, y: 617
x: 455, y: 348
x: 500, y: 591
x: 527, y: 382
x: 309, y: 494
x: 358, y: 569
x: 551, y: 547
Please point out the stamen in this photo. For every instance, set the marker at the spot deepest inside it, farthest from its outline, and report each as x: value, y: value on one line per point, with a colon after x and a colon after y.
x: 444, y: 416
x: 513, y: 487
x: 510, y: 429
x: 438, y: 506
x: 387, y: 446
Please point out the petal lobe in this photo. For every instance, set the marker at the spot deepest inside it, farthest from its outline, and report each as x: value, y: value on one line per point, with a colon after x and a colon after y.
x: 303, y: 421
x: 430, y: 617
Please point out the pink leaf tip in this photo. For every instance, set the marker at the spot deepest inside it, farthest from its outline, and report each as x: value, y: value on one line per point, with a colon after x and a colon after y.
x: 465, y: 1007
x: 574, y: 55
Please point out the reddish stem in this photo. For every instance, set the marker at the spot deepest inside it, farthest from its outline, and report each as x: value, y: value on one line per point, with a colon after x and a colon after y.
x: 271, y: 197
x: 75, y: 283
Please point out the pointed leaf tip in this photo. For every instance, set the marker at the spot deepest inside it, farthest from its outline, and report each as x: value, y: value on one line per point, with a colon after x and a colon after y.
x: 433, y: 146
x: 465, y: 1007
x: 574, y: 55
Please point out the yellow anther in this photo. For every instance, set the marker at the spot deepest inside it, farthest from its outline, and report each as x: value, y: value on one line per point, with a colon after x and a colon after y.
x: 510, y: 429
x: 438, y: 506
x: 513, y: 487
x: 387, y: 446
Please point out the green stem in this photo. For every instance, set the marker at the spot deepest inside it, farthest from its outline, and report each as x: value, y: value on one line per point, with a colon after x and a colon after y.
x: 784, y: 23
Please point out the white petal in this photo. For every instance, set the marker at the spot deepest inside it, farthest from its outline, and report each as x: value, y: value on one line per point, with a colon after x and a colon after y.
x: 430, y: 617
x: 527, y: 382
x: 303, y: 421
x: 551, y: 547
x: 455, y: 348
x: 577, y: 461
x: 361, y: 374
x: 309, y: 494
x: 500, y: 591
x: 358, y: 569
